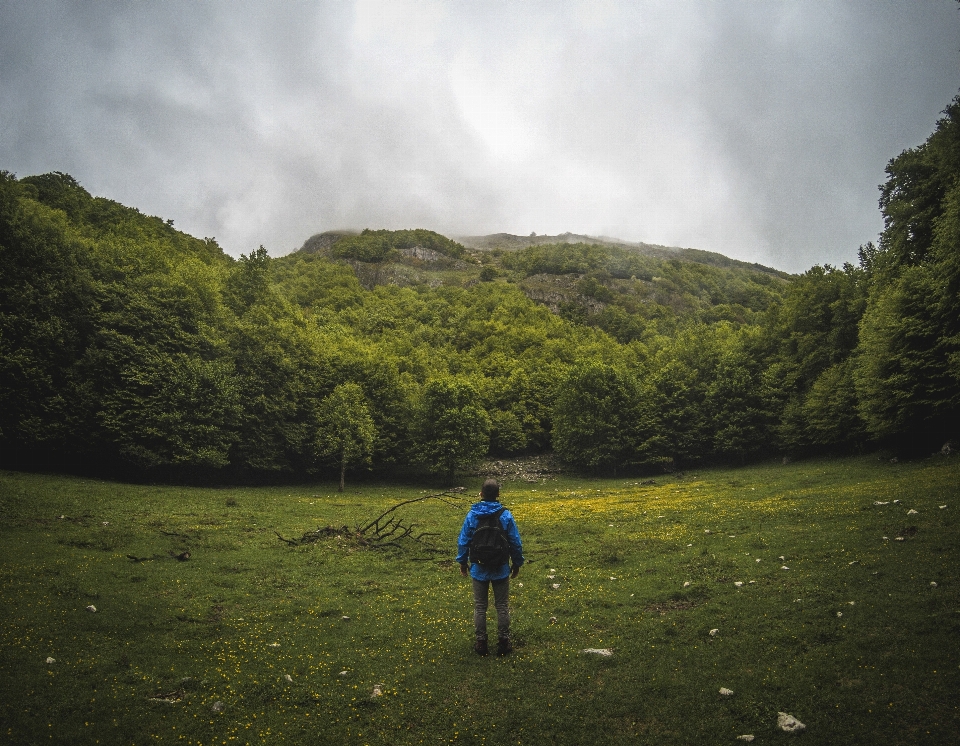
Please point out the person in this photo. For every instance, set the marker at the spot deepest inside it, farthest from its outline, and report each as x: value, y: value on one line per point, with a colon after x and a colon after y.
x: 486, y: 576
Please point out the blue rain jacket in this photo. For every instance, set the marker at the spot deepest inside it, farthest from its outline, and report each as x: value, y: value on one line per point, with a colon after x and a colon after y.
x: 470, y: 523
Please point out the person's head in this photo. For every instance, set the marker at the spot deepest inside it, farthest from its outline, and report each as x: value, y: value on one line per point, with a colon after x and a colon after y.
x: 490, y: 490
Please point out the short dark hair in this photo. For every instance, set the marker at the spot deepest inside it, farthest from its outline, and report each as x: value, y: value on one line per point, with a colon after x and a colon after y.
x: 490, y: 489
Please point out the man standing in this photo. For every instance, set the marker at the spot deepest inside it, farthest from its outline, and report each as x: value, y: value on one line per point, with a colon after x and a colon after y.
x: 490, y: 541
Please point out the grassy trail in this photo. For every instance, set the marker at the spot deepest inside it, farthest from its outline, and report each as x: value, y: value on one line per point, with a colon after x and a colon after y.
x: 851, y: 638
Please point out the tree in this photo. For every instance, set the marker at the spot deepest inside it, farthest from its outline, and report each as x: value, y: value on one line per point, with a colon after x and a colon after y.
x: 594, y: 418
x: 345, y: 429
x: 452, y: 428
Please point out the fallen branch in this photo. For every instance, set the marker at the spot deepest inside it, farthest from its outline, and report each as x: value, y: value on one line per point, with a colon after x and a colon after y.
x: 385, y: 530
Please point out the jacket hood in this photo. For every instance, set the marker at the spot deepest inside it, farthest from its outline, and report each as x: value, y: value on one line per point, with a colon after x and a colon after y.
x: 486, y: 507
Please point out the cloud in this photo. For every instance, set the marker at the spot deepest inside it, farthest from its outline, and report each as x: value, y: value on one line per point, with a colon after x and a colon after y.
x: 760, y: 130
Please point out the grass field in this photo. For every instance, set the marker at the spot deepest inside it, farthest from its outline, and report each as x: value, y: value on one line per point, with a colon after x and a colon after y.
x: 247, y: 642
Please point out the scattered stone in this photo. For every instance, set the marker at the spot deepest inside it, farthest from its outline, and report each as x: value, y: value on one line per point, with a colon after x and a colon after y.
x: 839, y: 614
x: 520, y: 585
x: 782, y: 558
x: 377, y: 691
x: 877, y: 502
x: 344, y: 618
x: 552, y: 569
x: 686, y: 583
x: 942, y: 507
x: 933, y: 584
x: 707, y: 531
x: 274, y: 645
x: 851, y: 603
x: 752, y: 582
x: 612, y: 578
x: 551, y: 577
x: 894, y: 460
x: 602, y: 652
x: 713, y: 632
x: 690, y: 545
x: 912, y: 512
x: 758, y: 559
x: 106, y: 523
x: 885, y: 538
x: 784, y: 568
x: 738, y: 583
x: 745, y: 737
x: 288, y: 678
x: 899, y: 538
x: 51, y: 660
x: 553, y: 620
x: 726, y: 692
x: 789, y: 723
x: 92, y: 609
x: 896, y: 502
x: 217, y: 706
x: 344, y: 673
x: 555, y: 586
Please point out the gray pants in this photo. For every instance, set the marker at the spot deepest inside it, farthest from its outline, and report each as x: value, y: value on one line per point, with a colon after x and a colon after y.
x: 501, y: 594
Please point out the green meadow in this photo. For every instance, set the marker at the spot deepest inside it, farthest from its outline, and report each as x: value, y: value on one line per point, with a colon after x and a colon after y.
x: 824, y: 604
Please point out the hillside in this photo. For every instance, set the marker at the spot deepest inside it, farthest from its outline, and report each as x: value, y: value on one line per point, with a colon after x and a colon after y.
x: 614, y: 285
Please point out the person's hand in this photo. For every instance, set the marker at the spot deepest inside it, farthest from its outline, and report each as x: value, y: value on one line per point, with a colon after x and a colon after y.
x: 464, y: 569
x: 515, y: 571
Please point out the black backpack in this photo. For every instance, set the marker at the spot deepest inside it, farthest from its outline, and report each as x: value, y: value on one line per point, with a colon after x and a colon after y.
x: 489, y: 546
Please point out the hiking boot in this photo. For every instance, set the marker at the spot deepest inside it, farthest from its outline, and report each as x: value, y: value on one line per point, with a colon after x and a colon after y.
x: 503, y: 646
x: 480, y: 646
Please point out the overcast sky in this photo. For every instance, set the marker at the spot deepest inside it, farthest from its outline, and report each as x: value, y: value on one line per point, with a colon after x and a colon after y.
x: 756, y: 128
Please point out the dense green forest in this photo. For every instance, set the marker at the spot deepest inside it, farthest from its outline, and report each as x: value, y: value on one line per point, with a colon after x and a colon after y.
x: 127, y: 344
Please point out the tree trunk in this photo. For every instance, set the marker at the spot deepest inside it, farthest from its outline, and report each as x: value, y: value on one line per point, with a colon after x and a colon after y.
x: 343, y: 470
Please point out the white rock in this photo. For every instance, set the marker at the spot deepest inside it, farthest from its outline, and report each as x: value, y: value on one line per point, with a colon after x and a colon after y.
x: 738, y: 583
x: 690, y: 545
x: 344, y: 618
x: 782, y: 557
x: 92, y: 609
x: 555, y: 586
x: 274, y: 645
x: 899, y: 538
x: 789, y: 723
x: 288, y: 678
x: 344, y: 673
x: 896, y: 502
x: 852, y: 603
x: 603, y: 652
x: 745, y: 737
x: 51, y: 660
x: 686, y: 583
x: 551, y: 577
x: 933, y: 584
x: 784, y: 568
x: 942, y: 507
x: 553, y: 620
x: 886, y: 538
x: 217, y: 706
x: 713, y: 632
x: 552, y: 570
x: 706, y: 531
x: 877, y: 502
x: 911, y: 512
x: 726, y: 692
x: 612, y: 578
x: 758, y: 559
x: 752, y: 582
x: 520, y: 585
x: 377, y: 690
x: 839, y: 614
x: 106, y: 523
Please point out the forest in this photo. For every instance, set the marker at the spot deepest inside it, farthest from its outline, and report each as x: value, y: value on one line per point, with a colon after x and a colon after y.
x: 131, y: 347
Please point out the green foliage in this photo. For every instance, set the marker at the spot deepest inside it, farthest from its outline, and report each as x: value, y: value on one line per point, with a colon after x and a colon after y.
x: 595, y: 417
x: 345, y: 429
x: 451, y: 427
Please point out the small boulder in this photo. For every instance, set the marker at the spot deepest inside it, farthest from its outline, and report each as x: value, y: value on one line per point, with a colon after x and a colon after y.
x: 724, y: 692
x: 217, y: 706
x: 602, y: 652
x: 92, y: 609
x: 912, y: 512
x: 745, y: 737
x: 788, y: 723
x: 713, y: 632
x: 288, y: 678
x: 51, y: 660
